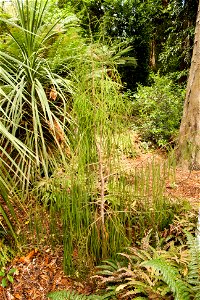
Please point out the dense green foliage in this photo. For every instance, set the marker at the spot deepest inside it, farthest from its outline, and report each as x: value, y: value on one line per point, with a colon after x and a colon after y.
x: 157, y: 111
x: 177, y: 46
x: 160, y: 33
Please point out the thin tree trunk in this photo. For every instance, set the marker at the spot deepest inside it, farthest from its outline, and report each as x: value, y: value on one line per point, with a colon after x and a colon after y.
x: 189, y: 137
x: 153, y: 55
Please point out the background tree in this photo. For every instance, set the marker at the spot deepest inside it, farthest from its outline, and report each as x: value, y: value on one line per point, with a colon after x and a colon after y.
x: 189, y: 138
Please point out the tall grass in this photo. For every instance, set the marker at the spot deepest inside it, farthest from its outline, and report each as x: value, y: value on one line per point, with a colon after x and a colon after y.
x: 103, y: 214
x: 97, y: 109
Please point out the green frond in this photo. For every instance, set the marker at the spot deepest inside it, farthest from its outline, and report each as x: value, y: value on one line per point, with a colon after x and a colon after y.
x: 197, y: 295
x: 33, y: 129
x: 138, y: 255
x: 109, y: 265
x: 72, y: 295
x: 170, y: 276
x: 193, y: 277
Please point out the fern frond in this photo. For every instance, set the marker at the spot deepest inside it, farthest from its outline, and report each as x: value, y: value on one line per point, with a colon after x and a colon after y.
x: 72, y: 295
x: 197, y: 296
x: 193, y: 277
x: 137, y: 254
x: 194, y: 264
x: 109, y: 266
x: 170, y: 276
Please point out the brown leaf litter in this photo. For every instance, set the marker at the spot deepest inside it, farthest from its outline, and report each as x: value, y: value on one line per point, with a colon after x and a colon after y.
x: 38, y: 273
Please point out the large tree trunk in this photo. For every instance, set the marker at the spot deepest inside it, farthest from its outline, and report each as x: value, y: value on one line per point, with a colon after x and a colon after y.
x: 189, y: 137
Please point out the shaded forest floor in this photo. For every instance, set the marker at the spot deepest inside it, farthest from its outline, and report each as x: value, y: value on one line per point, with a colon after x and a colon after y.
x: 40, y: 272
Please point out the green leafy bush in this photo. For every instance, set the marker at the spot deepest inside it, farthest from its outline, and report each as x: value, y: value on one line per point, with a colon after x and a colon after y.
x: 157, y: 110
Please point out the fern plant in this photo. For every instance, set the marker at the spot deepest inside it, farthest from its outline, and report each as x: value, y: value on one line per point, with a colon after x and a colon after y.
x: 171, y: 277
x: 187, y: 287
x: 155, y: 272
x: 193, y: 277
x: 133, y: 279
x: 72, y: 295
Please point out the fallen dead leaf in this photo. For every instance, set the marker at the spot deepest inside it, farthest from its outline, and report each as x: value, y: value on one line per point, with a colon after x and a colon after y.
x: 53, y: 94
x: 18, y: 296
x: 29, y: 257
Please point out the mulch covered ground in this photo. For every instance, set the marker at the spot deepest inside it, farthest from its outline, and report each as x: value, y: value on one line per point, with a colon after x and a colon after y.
x: 186, y: 186
x: 40, y: 271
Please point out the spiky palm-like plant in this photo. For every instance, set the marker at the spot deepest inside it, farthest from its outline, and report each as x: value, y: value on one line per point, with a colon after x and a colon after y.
x: 33, y: 103
x: 34, y: 117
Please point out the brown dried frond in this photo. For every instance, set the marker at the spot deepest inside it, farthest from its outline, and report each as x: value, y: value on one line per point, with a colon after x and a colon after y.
x: 57, y: 132
x: 53, y: 93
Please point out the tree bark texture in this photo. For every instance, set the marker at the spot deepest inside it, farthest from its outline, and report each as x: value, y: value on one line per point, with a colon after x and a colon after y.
x: 189, y: 136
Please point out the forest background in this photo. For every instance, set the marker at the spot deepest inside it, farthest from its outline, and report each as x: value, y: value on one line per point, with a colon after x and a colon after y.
x: 85, y: 88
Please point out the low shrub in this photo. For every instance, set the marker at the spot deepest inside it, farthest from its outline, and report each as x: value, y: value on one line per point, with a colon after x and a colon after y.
x: 157, y: 110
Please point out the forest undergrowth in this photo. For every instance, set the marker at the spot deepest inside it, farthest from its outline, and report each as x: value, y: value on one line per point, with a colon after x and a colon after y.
x: 149, y: 236
x: 81, y: 186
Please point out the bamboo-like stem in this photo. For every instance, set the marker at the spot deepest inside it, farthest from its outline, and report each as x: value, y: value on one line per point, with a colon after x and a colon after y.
x: 198, y: 229
x: 102, y: 193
